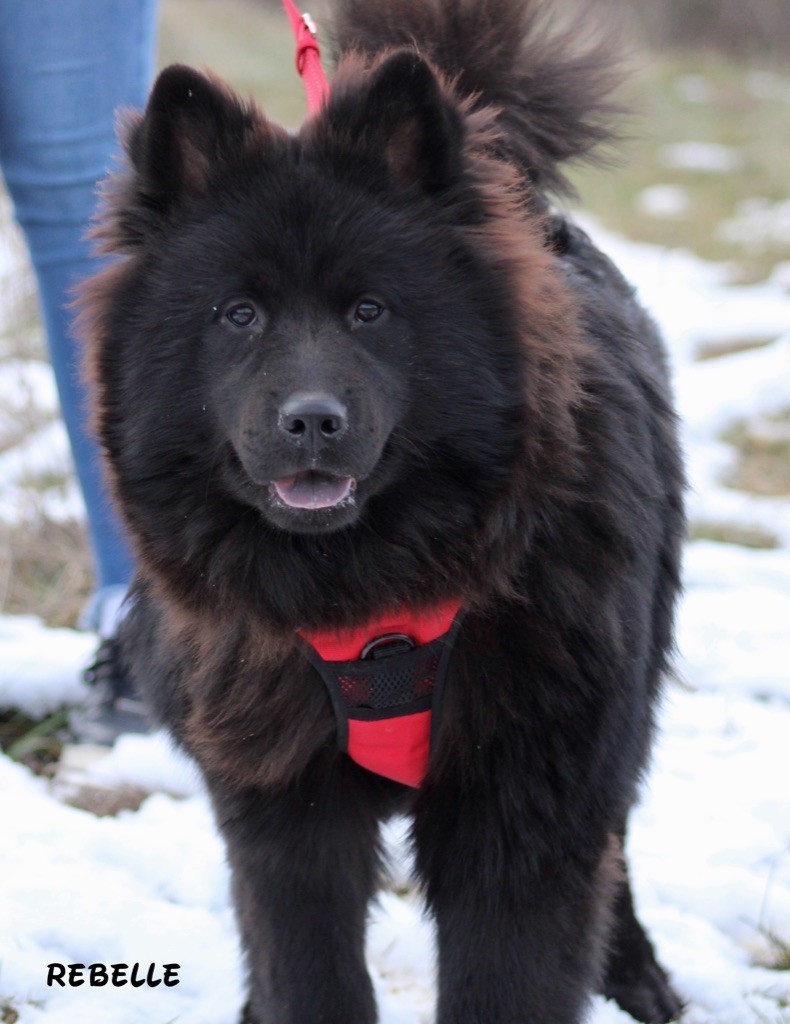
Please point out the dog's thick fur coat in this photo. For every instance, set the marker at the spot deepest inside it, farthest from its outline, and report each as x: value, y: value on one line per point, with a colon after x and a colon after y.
x: 508, y: 439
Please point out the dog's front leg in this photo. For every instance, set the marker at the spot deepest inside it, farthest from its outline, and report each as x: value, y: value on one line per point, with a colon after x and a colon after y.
x: 520, y: 934
x: 304, y: 862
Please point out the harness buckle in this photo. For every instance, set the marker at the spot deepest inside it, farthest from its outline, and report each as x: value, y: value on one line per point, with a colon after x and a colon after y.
x: 387, y: 646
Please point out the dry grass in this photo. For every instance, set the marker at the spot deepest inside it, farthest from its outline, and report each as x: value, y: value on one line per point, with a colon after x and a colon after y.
x: 46, y: 568
x: 106, y: 803
x: 8, y: 1012
x: 45, y: 564
x: 11, y: 1008
x: 733, y: 533
x: 777, y: 956
x: 730, y: 346
x: 763, y: 455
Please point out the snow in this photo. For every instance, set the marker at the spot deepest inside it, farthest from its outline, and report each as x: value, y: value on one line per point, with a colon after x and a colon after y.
x: 758, y: 224
x: 663, y: 201
x: 710, y: 842
x: 22, y: 380
x: 39, y: 670
x: 710, y: 157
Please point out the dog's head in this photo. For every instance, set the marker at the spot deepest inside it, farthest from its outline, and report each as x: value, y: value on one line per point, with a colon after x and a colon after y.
x: 344, y: 331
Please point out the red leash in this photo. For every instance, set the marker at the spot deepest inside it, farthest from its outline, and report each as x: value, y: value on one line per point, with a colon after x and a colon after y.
x: 308, y: 57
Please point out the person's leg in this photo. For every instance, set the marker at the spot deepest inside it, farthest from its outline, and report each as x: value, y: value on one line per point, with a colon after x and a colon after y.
x: 65, y: 68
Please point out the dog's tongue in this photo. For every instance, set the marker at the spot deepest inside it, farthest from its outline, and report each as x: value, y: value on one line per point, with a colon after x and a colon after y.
x: 313, y: 489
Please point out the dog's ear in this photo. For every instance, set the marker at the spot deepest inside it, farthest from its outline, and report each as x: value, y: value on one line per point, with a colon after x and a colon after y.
x: 191, y: 128
x: 191, y: 125
x: 404, y: 116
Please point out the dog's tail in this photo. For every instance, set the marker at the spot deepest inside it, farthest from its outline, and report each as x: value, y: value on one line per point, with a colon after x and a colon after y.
x: 553, y: 95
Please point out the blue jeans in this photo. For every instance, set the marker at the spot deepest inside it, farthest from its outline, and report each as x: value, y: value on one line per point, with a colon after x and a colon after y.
x: 66, y: 66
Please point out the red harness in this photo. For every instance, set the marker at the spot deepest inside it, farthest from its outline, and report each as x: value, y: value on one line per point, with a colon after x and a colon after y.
x: 385, y: 680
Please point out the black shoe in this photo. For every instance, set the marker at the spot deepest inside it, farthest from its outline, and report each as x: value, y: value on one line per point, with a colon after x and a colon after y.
x: 113, y: 707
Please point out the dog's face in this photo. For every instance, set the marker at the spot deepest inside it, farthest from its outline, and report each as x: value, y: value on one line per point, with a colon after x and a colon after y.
x: 304, y: 355
x: 331, y: 351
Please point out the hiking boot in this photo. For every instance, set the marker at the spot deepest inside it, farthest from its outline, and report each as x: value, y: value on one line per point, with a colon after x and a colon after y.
x: 112, y: 708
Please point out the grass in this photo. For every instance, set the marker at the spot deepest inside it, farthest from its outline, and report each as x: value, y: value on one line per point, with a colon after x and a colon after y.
x: 730, y: 346
x: 777, y: 957
x: 45, y: 568
x: 8, y: 1012
x: 107, y: 803
x: 739, y: 112
x: 733, y: 533
x: 36, y: 743
x: 763, y: 455
x: 10, y: 1009
x: 761, y: 466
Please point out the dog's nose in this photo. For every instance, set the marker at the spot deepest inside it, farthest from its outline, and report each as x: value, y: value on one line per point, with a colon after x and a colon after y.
x: 313, y: 417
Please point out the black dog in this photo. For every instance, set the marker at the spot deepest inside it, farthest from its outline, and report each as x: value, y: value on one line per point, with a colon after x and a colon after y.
x: 360, y: 380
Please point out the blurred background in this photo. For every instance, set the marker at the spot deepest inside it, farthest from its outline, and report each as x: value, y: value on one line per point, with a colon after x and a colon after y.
x: 705, y: 170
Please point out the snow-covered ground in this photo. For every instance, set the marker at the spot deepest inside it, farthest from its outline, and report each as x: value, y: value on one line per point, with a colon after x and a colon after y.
x: 710, y: 845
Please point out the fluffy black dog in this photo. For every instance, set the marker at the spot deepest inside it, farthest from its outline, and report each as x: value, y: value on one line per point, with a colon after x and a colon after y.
x: 364, y: 368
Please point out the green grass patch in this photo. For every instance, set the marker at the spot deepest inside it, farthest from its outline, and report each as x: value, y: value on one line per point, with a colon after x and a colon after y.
x: 36, y: 743
x: 698, y: 98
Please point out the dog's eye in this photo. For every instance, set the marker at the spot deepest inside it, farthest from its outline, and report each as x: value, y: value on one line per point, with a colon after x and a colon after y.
x: 241, y: 315
x: 367, y: 310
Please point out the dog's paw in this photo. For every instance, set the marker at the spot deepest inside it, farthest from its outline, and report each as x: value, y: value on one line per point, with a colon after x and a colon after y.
x: 649, y: 997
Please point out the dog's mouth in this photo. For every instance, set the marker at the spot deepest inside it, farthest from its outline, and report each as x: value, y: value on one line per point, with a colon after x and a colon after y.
x: 313, y: 489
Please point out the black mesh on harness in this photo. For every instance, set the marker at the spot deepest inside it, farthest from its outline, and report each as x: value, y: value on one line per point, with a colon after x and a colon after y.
x: 391, y: 681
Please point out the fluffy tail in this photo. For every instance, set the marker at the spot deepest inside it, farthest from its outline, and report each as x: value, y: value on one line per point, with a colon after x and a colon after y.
x: 553, y: 97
